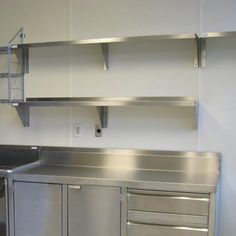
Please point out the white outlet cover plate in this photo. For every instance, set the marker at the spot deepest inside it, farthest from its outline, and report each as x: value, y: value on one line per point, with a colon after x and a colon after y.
x: 77, y: 130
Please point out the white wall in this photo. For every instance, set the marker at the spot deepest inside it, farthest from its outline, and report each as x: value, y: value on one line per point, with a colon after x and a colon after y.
x: 218, y: 99
x: 218, y: 115
x: 137, y: 69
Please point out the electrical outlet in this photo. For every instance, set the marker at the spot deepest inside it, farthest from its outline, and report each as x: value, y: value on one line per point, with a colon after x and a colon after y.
x: 98, y: 131
x: 77, y: 130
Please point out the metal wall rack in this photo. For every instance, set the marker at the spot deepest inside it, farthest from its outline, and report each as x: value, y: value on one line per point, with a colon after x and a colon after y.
x: 17, y: 66
x: 23, y: 104
x: 102, y: 104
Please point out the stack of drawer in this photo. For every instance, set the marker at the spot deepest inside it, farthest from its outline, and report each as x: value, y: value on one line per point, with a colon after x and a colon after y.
x: 158, y: 213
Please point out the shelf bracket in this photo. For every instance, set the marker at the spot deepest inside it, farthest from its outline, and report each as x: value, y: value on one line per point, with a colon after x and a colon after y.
x: 23, y: 111
x: 105, y: 55
x: 200, y: 52
x: 22, y: 54
x: 103, y: 116
x: 196, y: 115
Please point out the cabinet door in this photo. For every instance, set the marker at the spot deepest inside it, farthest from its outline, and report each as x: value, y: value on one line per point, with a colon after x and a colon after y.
x: 93, y: 211
x: 38, y: 209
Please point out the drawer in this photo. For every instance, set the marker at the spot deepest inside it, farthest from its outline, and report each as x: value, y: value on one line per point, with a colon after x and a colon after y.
x: 158, y: 230
x: 168, y: 202
x: 167, y: 219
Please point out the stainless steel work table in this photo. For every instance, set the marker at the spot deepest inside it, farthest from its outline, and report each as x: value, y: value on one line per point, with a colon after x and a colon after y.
x: 158, y: 180
x: 144, y: 191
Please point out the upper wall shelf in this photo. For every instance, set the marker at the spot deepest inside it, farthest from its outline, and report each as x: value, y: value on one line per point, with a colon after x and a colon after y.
x: 104, y: 44
x: 102, y: 104
x: 199, y: 54
x: 225, y: 34
x: 106, y: 40
x: 127, y: 39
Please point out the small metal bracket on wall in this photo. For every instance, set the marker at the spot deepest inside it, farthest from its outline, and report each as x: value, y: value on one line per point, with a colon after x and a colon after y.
x: 105, y: 55
x: 22, y: 54
x: 23, y: 111
x: 200, y: 52
x: 103, y: 118
x: 196, y: 114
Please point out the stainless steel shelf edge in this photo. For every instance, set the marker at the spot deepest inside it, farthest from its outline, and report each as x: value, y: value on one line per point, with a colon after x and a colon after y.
x: 222, y: 34
x: 112, y: 101
x: 105, y: 40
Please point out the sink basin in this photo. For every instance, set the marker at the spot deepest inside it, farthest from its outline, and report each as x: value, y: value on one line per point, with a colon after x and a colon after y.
x: 2, y: 228
x: 13, y: 157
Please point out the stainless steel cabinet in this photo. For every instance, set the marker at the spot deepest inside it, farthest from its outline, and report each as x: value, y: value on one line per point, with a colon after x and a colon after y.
x: 93, y: 211
x: 159, y: 213
x: 71, y: 210
x: 38, y: 209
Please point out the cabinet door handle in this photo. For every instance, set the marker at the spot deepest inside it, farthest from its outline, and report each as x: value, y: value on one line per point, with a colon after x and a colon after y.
x: 76, y: 187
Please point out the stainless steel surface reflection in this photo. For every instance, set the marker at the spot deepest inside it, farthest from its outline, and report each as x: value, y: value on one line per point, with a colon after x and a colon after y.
x: 112, y: 101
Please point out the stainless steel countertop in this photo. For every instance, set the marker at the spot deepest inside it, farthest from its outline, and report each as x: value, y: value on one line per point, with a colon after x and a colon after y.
x: 132, y: 178
x: 143, y: 169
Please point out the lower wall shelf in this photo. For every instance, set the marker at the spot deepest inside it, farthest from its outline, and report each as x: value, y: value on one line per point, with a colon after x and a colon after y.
x: 102, y: 104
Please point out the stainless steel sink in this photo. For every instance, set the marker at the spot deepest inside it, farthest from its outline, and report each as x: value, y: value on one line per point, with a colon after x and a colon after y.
x: 14, y: 157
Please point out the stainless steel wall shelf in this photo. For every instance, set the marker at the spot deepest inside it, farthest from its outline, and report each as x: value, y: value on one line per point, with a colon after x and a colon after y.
x: 104, y: 44
x: 21, y: 50
x: 199, y: 55
x: 102, y: 104
x: 105, y: 40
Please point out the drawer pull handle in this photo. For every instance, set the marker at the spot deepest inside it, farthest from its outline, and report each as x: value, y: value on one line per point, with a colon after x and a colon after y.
x: 190, y: 198
x: 170, y: 227
x: 77, y: 187
x: 173, y: 197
